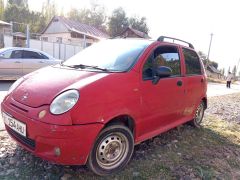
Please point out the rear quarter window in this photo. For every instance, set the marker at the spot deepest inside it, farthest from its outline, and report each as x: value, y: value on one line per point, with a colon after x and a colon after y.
x: 192, y: 62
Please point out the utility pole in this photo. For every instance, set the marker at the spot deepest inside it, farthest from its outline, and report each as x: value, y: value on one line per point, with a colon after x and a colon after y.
x: 28, y: 37
x: 237, y: 66
x: 11, y: 23
x: 209, y: 49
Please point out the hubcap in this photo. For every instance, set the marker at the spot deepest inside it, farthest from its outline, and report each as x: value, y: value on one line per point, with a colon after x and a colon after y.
x: 199, y: 114
x: 112, y: 150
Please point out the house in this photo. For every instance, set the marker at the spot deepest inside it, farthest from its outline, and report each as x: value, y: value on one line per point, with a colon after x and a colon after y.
x: 63, y: 30
x: 212, y: 72
x: 129, y: 32
x: 5, y: 28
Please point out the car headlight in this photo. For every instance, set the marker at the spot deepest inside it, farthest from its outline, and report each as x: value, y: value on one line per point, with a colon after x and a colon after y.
x: 15, y: 85
x: 64, y: 102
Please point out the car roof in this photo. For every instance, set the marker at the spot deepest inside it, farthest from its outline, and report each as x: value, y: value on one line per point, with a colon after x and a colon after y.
x: 26, y: 49
x: 21, y: 48
x: 151, y: 41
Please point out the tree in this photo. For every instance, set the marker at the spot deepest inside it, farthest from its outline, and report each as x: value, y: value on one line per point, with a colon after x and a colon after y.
x: 95, y: 16
x: 49, y: 10
x: 234, y: 71
x: 118, y: 21
x: 139, y: 24
x: 203, y: 57
x: 223, y: 71
x: 214, y: 64
x: 18, y: 11
x: 22, y: 3
x: 1, y: 9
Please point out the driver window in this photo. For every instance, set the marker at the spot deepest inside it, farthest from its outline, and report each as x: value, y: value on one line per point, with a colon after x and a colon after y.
x: 162, y: 56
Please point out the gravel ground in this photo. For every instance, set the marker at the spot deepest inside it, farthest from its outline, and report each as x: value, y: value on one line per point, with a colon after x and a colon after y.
x: 167, y: 156
x: 225, y: 107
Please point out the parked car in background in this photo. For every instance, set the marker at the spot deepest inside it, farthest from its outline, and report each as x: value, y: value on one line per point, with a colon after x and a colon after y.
x: 16, y: 62
x: 93, y: 108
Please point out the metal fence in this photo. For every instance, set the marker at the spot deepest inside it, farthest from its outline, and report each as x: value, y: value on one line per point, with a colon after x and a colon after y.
x: 57, y: 50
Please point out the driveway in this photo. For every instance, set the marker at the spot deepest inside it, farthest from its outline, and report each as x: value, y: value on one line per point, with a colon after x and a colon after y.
x: 214, y: 89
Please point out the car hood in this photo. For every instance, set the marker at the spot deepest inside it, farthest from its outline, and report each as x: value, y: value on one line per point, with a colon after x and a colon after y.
x: 42, y: 86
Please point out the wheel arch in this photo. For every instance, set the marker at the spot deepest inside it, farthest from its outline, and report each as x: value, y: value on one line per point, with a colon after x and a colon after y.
x: 125, y: 120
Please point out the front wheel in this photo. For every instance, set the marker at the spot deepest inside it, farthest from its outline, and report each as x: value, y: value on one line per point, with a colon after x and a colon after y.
x: 112, y: 150
x: 198, y: 117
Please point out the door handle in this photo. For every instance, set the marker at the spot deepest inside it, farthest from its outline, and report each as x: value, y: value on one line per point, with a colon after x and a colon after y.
x: 40, y: 61
x: 202, y: 80
x: 17, y: 62
x: 179, y: 83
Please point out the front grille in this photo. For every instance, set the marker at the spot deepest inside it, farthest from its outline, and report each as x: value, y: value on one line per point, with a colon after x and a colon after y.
x: 14, y: 105
x: 24, y: 140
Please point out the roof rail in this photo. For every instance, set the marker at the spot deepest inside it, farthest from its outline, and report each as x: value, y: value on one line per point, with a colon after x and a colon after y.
x: 161, y: 39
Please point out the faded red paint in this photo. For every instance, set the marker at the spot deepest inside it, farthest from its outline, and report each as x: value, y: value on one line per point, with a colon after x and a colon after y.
x: 103, y: 96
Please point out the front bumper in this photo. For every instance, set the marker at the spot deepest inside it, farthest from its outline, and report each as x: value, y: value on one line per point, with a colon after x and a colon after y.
x: 74, y: 142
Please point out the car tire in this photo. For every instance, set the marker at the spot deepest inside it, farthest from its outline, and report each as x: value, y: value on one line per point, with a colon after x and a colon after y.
x: 198, y: 116
x: 112, y: 150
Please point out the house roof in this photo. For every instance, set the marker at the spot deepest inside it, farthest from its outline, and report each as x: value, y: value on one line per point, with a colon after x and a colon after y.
x: 75, y: 26
x: 4, y: 23
x: 213, y: 69
x: 137, y: 32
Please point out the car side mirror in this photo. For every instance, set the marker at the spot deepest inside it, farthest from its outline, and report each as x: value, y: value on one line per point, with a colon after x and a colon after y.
x: 161, y: 72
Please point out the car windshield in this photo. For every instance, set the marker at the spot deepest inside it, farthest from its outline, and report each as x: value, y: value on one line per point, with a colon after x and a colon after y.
x: 111, y: 55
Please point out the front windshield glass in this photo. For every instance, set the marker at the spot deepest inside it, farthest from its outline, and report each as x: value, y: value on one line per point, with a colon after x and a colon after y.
x: 113, y: 55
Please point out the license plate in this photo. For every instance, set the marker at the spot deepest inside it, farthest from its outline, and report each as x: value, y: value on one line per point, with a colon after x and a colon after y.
x: 14, y: 124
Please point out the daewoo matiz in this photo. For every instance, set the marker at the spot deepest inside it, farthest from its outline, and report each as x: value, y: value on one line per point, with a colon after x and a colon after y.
x: 94, y: 107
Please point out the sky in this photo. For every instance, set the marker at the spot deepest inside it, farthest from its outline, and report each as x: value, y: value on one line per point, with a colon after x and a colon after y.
x: 190, y: 20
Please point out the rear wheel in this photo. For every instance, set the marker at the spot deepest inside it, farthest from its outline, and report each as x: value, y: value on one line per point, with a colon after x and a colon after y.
x: 112, y: 150
x: 198, y: 117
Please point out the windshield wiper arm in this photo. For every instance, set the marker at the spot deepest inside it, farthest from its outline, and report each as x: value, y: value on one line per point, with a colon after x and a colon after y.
x: 83, y: 66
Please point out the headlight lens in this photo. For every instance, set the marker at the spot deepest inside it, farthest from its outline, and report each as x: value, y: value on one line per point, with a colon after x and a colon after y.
x: 64, y: 102
x: 15, y: 85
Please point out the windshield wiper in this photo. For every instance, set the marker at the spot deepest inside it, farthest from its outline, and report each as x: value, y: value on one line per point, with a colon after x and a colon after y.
x: 83, y: 66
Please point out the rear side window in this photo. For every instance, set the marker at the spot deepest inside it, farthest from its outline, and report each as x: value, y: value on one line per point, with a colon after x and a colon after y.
x: 16, y: 54
x: 193, y: 66
x: 162, y: 56
x: 33, y: 55
x: 6, y: 54
x: 12, y: 54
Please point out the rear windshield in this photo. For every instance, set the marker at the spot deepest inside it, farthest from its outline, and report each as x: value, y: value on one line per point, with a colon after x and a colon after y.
x: 113, y: 55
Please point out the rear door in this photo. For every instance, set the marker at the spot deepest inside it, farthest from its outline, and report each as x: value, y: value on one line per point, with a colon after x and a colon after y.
x: 194, y: 80
x: 33, y: 60
x: 162, y: 103
x: 11, y: 64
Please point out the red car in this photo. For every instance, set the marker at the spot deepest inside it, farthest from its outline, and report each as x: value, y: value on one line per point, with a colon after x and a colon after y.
x: 93, y: 108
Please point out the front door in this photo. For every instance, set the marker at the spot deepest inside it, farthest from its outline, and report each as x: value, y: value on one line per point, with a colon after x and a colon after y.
x: 11, y: 64
x: 162, y: 103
